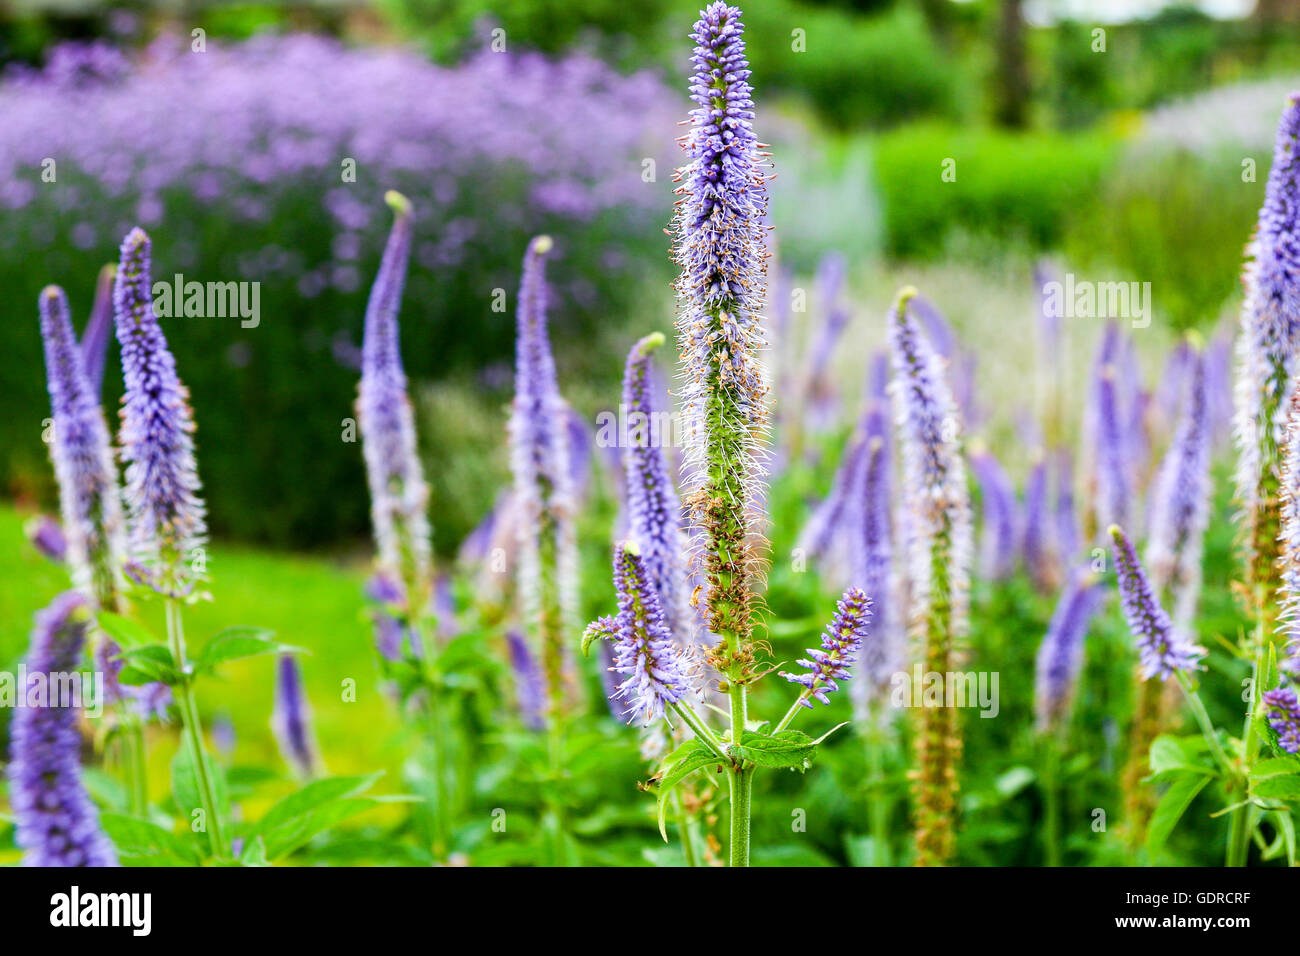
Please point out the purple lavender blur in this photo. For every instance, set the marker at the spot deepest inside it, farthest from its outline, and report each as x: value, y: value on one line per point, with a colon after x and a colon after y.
x: 1284, y: 717
x: 1061, y: 654
x: 998, y: 551
x: 398, y: 493
x: 530, y: 689
x: 94, y: 340
x: 47, y: 537
x: 1162, y: 649
x: 830, y: 663
x: 55, y: 821
x: 291, y: 718
x: 165, y: 512
x: 83, y: 462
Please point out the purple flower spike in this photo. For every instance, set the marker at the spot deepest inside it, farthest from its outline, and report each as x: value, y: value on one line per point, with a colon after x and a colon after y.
x: 1162, y: 649
x: 841, y: 641
x: 1180, y: 501
x: 83, y: 461
x: 540, y: 449
x: 291, y: 718
x: 657, y: 673
x: 1113, y: 439
x: 94, y: 340
x: 1289, y: 542
x: 46, y: 536
x: 1270, y: 332
x: 398, y: 493
x: 653, y: 508
x: 1067, y: 522
x: 1061, y: 653
x: 165, y: 512
x: 530, y: 689
x: 56, y: 823
x: 1284, y: 717
x: 998, y: 543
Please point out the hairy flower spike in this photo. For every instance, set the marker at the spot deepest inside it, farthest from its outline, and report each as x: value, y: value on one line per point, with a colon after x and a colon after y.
x: 1289, y: 542
x: 398, y: 492
x: 722, y: 249
x: 1061, y: 654
x: 841, y: 641
x: 165, y: 512
x: 56, y: 822
x: 1267, y: 356
x: 938, y: 569
x: 656, y: 672
x: 543, y: 493
x: 1180, y: 501
x: 1162, y: 649
x: 83, y: 462
x: 653, y: 508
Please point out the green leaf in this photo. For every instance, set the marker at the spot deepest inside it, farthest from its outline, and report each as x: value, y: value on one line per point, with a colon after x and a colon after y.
x: 1178, y: 754
x: 1172, y: 806
x: 185, y: 784
x: 314, y: 795
x: 1281, y: 787
x: 789, y: 748
x: 1286, y: 826
x: 254, y: 853
x: 125, y: 631
x: 236, y: 643
x: 1275, y: 767
x: 286, y: 839
x: 147, y: 664
x: 686, y: 763
x: 135, y: 837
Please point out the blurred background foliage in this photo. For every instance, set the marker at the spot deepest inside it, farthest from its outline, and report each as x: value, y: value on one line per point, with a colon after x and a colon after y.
x: 1048, y: 121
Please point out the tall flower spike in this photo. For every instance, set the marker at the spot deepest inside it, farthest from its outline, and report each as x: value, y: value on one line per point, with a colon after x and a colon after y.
x: 83, y: 462
x: 1266, y: 356
x: 653, y: 508
x: 938, y: 567
x: 1061, y: 653
x: 1067, y: 522
x: 398, y: 493
x: 1180, y: 501
x: 530, y: 687
x: 722, y: 249
x: 1289, y: 542
x: 291, y: 718
x: 94, y: 340
x: 164, y: 510
x: 56, y: 823
x: 841, y: 641
x: 656, y: 672
x: 1112, y: 476
x: 539, y: 457
x: 1162, y: 650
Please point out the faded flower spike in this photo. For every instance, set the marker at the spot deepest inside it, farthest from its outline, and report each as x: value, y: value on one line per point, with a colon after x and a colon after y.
x: 539, y: 460
x: 1180, y: 501
x: 1162, y: 650
x: 1284, y: 717
x: 165, y: 512
x: 722, y: 249
x: 56, y: 823
x: 398, y: 493
x: 656, y: 674
x: 1061, y: 653
x: 841, y: 641
x: 94, y: 340
x: 291, y: 718
x: 83, y: 462
x: 1289, y: 542
x: 530, y: 688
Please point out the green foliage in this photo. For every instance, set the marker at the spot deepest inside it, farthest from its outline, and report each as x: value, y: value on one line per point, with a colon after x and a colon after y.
x: 1005, y: 187
x: 1164, y: 216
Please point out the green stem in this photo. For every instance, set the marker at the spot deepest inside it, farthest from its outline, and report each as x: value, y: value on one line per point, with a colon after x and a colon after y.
x: 136, y: 762
x: 741, y: 783
x: 701, y: 729
x: 1051, y: 801
x: 194, y: 732
x: 438, y: 728
x: 1239, y: 829
x: 1207, y: 728
x: 1239, y: 833
x: 686, y: 827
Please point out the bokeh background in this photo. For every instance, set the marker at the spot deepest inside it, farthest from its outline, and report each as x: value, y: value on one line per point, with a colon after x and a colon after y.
x: 1118, y: 140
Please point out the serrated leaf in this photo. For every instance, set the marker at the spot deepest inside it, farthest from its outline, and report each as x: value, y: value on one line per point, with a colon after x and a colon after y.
x: 135, y: 837
x: 148, y: 664
x: 125, y: 632
x: 236, y: 643
x: 1275, y: 767
x: 314, y: 795
x: 1281, y: 787
x: 789, y: 748
x: 1173, y: 804
x: 685, y: 765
